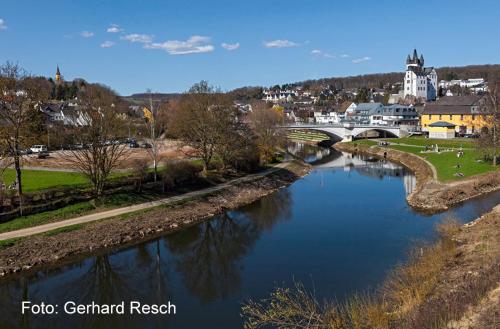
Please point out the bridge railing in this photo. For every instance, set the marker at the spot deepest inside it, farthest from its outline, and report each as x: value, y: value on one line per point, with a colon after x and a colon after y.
x: 338, y: 125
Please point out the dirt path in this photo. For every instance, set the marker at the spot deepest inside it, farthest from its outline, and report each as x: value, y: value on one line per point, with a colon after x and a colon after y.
x: 129, y: 209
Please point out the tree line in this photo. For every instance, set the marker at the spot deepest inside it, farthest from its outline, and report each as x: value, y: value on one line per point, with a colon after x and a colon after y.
x: 204, y: 118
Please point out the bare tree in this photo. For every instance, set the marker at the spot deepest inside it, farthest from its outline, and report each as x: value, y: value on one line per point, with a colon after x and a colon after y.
x: 235, y: 143
x: 155, y: 121
x: 265, y: 122
x: 21, y: 122
x: 5, y: 162
x: 198, y: 120
x: 101, y: 126
x: 488, y: 140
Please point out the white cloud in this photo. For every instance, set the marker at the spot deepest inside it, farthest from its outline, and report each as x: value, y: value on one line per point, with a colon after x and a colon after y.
x: 87, y: 34
x: 229, y: 46
x: 114, y: 28
x: 361, y: 59
x: 344, y: 56
x: 107, y: 44
x: 280, y: 44
x: 3, y: 26
x: 320, y: 53
x: 141, y: 38
x: 194, y: 45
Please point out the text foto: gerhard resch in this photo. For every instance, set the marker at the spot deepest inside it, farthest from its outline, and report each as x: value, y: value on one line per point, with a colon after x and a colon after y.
x: 70, y: 307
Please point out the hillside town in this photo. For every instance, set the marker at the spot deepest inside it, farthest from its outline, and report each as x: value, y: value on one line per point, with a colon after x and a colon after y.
x: 421, y: 105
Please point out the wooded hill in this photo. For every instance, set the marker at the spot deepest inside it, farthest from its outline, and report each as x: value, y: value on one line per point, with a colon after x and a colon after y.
x: 378, y: 80
x: 489, y: 72
x: 143, y: 98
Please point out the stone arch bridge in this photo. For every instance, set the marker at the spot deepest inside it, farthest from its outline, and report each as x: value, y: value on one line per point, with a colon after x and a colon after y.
x: 347, y: 132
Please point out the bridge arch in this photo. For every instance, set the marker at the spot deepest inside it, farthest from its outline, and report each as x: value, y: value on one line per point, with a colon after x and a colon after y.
x: 346, y: 132
x: 384, y: 132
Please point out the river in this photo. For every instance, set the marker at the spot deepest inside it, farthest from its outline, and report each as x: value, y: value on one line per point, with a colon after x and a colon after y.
x: 338, y: 230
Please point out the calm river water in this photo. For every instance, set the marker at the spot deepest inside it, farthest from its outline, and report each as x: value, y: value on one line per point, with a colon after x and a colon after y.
x: 338, y: 230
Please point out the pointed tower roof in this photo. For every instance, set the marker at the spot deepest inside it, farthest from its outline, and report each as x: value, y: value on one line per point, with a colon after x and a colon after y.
x: 421, y: 59
x: 57, y: 71
x: 415, y: 56
x: 408, y: 59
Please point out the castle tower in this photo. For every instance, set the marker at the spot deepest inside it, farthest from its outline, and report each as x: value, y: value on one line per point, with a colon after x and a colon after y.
x: 414, y: 60
x: 58, y: 74
x: 419, y: 82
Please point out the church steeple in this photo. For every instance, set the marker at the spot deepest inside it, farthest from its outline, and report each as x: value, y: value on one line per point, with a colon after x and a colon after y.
x: 58, y: 74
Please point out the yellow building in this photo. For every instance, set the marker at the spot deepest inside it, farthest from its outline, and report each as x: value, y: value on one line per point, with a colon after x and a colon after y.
x: 464, y: 112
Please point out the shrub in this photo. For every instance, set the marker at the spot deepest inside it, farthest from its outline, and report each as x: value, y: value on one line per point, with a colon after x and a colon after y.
x: 140, y: 173
x: 248, y: 159
x: 180, y: 173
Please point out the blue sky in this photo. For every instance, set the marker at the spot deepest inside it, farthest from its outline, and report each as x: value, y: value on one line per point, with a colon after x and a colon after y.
x: 169, y: 45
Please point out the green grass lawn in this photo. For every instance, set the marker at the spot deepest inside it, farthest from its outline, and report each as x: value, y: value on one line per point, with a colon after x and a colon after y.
x: 444, y: 162
x: 34, y: 180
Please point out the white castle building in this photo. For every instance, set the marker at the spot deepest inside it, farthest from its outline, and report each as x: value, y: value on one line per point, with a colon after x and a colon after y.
x: 420, y: 81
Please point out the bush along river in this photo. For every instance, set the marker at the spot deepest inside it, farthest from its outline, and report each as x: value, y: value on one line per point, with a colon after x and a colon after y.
x: 338, y: 230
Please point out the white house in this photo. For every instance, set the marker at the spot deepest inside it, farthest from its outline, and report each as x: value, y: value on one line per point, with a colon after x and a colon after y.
x: 324, y: 117
x: 466, y: 83
x: 279, y: 95
x: 420, y: 81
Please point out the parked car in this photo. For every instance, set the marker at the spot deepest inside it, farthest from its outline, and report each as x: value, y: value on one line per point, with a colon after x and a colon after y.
x: 146, y: 145
x: 133, y: 145
x: 39, y: 148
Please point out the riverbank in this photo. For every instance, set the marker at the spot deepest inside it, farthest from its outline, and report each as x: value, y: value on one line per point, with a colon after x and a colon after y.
x: 464, y: 292
x: 452, y: 283
x: 430, y: 195
x: 69, y: 243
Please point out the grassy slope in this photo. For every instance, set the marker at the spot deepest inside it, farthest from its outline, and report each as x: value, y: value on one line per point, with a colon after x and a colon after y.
x: 445, y: 162
x: 307, y: 136
x: 77, y: 209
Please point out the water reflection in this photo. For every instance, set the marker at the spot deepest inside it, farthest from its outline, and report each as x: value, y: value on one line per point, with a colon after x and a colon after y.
x: 325, y: 157
x: 207, y: 255
x: 342, y: 227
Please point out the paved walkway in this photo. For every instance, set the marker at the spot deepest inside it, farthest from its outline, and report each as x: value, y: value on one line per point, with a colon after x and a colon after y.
x: 423, y: 146
x: 129, y: 209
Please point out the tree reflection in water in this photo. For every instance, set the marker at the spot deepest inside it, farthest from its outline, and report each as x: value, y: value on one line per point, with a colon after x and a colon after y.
x: 207, y: 255
x: 104, y: 279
